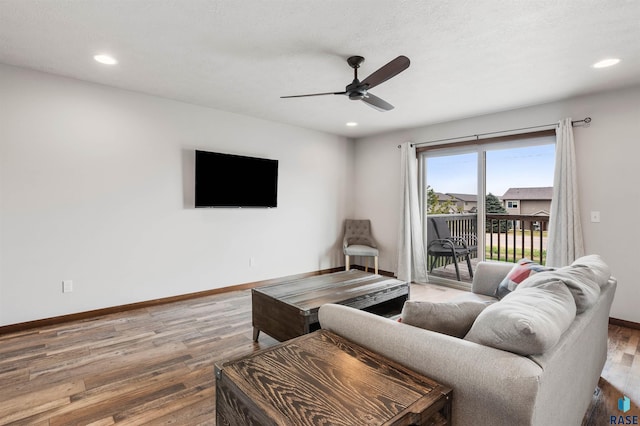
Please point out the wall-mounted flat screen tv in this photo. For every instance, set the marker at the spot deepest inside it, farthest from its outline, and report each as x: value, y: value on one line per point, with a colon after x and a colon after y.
x: 225, y: 180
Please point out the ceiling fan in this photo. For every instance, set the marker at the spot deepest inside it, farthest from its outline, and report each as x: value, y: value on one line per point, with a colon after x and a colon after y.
x: 359, y: 90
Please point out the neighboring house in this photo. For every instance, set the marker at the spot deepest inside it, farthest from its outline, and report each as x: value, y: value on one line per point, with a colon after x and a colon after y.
x: 528, y: 201
x: 461, y: 203
x: 465, y: 203
x: 444, y: 198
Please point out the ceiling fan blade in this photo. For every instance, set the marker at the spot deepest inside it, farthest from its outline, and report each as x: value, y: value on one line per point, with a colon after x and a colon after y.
x: 384, y: 73
x: 315, y: 94
x: 377, y: 103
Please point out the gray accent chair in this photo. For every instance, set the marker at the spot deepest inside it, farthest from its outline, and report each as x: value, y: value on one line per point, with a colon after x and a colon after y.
x: 358, y: 241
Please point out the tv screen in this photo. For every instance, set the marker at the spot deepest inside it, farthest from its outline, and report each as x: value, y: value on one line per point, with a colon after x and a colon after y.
x: 224, y: 180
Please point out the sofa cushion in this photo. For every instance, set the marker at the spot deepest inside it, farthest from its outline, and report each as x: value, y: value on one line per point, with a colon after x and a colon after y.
x: 580, y: 280
x: 469, y: 296
x: 600, y: 269
x: 528, y: 321
x: 520, y: 271
x: 360, y: 250
x: 452, y: 318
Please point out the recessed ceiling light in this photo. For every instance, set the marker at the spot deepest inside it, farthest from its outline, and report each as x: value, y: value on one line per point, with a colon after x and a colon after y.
x: 352, y: 124
x: 606, y: 63
x: 105, y: 59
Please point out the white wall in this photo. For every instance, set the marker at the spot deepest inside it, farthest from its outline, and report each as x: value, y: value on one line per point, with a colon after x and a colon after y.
x: 607, y: 171
x: 96, y: 186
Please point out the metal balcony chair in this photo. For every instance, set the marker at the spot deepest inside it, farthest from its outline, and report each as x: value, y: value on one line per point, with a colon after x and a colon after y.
x: 443, y: 232
x: 358, y: 241
x: 451, y: 249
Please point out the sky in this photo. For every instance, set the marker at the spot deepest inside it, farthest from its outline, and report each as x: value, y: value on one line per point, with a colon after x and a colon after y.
x: 508, y: 168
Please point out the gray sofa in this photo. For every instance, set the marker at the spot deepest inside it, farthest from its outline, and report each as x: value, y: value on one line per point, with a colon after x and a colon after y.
x: 493, y: 386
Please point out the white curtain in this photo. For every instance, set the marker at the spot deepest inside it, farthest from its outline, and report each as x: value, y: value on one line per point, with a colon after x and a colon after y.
x: 412, y: 265
x: 565, y: 243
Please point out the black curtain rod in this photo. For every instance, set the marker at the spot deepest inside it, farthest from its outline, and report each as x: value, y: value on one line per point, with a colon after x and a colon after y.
x: 586, y: 121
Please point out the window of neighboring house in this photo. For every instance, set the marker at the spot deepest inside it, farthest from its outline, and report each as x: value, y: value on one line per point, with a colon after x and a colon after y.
x: 489, y: 167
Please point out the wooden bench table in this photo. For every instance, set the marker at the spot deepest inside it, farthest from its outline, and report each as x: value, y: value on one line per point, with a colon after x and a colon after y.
x: 290, y: 309
x: 323, y: 379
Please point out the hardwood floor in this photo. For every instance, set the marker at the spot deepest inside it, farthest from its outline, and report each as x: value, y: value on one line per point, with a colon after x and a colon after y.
x: 620, y: 376
x: 152, y: 365
x: 155, y: 365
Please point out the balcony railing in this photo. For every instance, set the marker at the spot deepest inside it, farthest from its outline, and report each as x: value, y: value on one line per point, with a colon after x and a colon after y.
x: 508, y: 237
x: 512, y: 237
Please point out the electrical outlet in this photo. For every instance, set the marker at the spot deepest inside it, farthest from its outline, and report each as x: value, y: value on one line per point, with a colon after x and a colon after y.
x: 595, y: 217
x: 67, y: 286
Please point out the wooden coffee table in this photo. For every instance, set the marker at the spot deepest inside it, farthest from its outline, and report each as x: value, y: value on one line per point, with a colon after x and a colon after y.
x: 322, y: 378
x: 290, y: 309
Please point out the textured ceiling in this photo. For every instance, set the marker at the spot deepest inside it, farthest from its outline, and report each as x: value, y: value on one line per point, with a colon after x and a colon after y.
x: 468, y: 57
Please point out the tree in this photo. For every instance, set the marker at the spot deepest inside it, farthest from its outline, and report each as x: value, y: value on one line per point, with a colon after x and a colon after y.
x: 494, y: 205
x: 435, y: 206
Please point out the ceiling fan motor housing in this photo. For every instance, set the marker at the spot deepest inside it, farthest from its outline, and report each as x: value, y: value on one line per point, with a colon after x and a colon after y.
x: 356, y: 90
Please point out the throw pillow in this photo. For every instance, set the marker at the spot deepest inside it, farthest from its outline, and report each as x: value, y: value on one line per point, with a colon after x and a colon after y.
x: 454, y: 319
x: 520, y: 271
x: 528, y: 321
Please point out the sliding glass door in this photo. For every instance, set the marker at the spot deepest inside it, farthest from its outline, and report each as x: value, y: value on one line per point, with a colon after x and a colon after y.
x: 450, y: 188
x: 521, y: 178
x: 508, y: 222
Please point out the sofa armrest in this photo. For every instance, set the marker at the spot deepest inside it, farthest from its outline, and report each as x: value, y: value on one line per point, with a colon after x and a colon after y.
x: 484, y: 380
x: 488, y: 276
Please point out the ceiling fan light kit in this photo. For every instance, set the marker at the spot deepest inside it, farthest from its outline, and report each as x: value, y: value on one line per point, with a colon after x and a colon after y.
x: 358, y: 90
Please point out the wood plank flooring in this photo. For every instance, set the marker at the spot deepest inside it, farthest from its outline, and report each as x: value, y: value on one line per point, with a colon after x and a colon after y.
x: 149, y: 366
x: 620, y: 376
x: 156, y: 365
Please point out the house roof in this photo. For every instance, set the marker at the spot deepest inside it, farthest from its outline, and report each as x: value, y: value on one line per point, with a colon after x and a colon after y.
x: 468, y: 198
x: 538, y: 193
x: 540, y: 213
x: 444, y: 197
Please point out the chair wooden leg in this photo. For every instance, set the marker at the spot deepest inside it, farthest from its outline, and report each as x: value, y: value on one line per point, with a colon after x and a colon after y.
x: 366, y: 264
x: 375, y: 262
x: 346, y: 262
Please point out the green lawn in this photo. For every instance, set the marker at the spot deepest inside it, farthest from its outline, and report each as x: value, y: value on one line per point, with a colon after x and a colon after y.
x: 535, y: 255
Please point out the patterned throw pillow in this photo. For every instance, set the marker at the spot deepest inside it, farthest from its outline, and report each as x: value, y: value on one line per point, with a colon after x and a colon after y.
x: 520, y: 272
